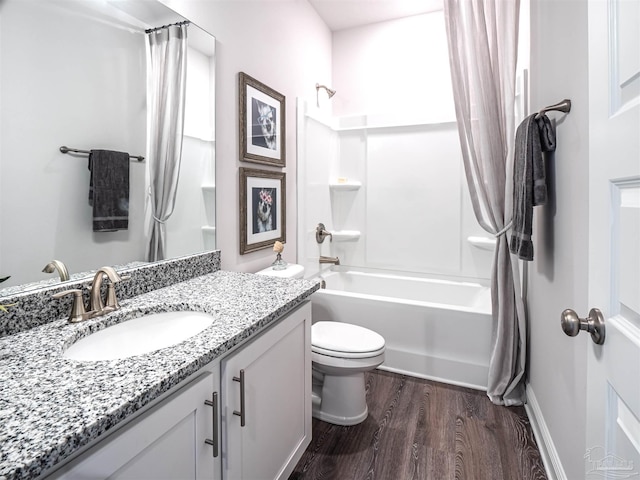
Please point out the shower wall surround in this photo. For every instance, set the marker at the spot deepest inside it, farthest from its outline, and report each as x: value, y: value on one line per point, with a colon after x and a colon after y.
x: 401, y: 186
x: 392, y: 128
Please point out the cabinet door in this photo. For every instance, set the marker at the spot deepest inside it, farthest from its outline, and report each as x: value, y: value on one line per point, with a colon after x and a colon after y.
x: 166, y: 442
x: 277, y: 401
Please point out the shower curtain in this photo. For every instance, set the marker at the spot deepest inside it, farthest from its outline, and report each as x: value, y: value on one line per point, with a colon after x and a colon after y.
x: 166, y: 84
x: 483, y: 39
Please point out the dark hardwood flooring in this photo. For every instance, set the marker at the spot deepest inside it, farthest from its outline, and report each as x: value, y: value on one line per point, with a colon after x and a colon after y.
x: 423, y: 430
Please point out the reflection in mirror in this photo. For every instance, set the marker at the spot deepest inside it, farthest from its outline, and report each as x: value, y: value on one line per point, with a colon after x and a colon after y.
x: 73, y: 72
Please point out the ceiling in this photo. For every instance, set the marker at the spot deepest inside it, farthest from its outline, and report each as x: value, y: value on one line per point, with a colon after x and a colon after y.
x: 341, y: 14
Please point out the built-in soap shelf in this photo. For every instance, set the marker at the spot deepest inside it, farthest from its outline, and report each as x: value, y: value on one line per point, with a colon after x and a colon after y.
x: 345, y: 235
x: 209, y: 188
x: 341, y: 185
x: 482, y: 243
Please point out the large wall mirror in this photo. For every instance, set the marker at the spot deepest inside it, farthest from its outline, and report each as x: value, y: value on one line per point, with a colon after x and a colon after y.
x: 73, y: 73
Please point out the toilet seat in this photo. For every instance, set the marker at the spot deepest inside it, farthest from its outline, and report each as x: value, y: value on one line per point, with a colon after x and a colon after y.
x: 344, y: 340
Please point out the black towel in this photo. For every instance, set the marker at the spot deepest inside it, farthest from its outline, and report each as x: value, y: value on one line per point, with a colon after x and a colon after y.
x: 109, y: 190
x: 534, y: 135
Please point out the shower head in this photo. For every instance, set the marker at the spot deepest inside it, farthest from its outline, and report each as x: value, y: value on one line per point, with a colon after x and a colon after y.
x: 329, y: 91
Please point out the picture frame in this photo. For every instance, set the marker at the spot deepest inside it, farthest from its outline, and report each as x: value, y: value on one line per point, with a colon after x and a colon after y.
x: 262, y: 209
x: 262, y: 122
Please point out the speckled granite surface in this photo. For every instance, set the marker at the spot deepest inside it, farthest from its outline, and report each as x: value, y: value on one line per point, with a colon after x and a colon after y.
x: 32, y: 305
x: 50, y: 406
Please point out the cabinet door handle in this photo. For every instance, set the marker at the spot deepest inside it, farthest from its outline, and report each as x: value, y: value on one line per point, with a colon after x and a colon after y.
x: 213, y: 403
x: 241, y: 413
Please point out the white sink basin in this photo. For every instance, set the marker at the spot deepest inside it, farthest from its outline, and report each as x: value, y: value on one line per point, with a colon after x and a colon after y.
x: 140, y: 335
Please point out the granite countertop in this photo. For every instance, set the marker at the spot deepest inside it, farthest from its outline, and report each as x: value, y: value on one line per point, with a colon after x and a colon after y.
x: 51, y: 406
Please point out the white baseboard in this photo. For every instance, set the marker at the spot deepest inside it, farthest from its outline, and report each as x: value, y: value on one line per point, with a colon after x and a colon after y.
x: 548, y: 452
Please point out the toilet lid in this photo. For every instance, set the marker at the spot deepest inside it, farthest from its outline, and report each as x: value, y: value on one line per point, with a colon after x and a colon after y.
x: 344, y: 337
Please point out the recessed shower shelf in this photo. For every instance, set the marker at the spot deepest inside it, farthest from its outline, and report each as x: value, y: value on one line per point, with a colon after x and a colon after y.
x: 209, y: 230
x: 345, y: 236
x: 345, y: 186
x: 209, y: 188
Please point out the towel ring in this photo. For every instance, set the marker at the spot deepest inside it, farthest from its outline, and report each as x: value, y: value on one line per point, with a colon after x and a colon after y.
x: 563, y: 106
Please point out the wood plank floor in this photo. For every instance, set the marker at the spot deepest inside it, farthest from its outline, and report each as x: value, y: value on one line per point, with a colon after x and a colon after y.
x: 423, y: 430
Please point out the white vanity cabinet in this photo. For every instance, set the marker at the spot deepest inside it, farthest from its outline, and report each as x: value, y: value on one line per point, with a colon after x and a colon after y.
x: 266, y: 401
x: 168, y: 441
x: 194, y: 433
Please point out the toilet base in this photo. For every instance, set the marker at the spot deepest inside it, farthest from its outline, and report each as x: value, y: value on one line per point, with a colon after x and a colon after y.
x: 340, y: 399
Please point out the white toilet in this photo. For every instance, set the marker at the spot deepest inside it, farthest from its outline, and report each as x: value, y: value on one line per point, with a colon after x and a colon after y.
x: 340, y: 354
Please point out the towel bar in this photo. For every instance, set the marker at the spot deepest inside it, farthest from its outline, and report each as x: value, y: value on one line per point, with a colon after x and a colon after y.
x: 64, y: 149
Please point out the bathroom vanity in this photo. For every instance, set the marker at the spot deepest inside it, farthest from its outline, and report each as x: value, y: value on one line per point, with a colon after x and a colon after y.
x: 243, y: 416
x: 230, y: 402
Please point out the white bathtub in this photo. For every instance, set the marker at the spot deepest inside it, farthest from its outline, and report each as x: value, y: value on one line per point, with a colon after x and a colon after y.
x: 435, y: 329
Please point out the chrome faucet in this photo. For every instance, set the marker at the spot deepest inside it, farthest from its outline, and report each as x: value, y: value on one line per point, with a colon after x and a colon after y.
x: 96, y: 304
x: 332, y: 260
x: 54, y: 265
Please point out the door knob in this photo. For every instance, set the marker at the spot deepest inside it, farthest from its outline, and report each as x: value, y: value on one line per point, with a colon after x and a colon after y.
x: 594, y: 324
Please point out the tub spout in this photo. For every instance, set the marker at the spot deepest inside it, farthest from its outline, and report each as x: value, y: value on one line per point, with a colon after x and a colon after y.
x: 332, y: 260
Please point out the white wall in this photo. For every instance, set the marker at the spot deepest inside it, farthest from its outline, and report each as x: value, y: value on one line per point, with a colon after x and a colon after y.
x: 59, y: 79
x: 284, y: 45
x: 395, y: 66
x: 558, y: 274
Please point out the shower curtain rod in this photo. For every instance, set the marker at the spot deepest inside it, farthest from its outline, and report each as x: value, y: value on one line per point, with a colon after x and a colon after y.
x: 177, y: 24
x: 563, y: 106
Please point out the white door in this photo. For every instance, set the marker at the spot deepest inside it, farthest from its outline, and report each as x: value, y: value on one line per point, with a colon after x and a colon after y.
x: 613, y: 369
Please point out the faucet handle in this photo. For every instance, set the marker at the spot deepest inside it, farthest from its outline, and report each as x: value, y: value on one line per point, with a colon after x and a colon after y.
x: 78, y: 313
x: 322, y: 233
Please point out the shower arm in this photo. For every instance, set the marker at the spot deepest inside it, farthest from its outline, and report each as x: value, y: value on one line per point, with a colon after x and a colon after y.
x: 330, y: 93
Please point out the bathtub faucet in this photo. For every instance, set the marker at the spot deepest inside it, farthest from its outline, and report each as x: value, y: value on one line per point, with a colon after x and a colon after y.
x: 333, y: 260
x: 322, y: 233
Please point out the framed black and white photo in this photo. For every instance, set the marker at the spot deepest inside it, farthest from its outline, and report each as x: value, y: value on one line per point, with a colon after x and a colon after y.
x: 262, y: 122
x: 262, y: 209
